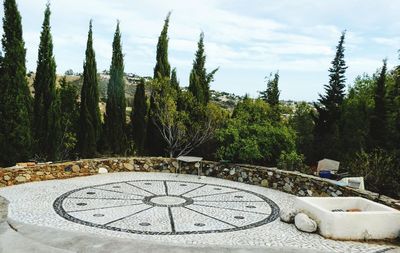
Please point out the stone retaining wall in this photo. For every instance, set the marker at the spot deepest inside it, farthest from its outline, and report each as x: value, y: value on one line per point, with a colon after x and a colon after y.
x: 287, y: 181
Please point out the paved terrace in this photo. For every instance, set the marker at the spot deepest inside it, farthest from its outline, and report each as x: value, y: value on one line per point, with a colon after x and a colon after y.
x: 152, y: 208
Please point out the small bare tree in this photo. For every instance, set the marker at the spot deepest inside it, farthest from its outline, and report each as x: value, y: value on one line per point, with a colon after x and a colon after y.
x: 179, y: 128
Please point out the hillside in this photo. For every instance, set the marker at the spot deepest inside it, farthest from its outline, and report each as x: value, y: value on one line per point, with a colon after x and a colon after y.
x: 224, y: 99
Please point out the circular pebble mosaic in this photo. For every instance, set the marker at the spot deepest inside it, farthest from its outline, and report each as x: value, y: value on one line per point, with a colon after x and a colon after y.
x: 168, y: 207
x: 163, y: 207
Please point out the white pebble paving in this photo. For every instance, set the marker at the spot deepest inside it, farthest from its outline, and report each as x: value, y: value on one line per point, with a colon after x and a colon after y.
x: 218, y: 205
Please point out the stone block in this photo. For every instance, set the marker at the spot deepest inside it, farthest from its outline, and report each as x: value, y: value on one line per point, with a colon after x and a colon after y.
x: 128, y: 166
x: 20, y: 179
x: 287, y: 188
x: 265, y: 183
x: 76, y: 168
x: 305, y: 223
x: 287, y: 216
x: 103, y: 170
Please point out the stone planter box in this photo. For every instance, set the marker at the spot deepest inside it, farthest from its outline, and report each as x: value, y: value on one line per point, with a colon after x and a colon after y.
x: 369, y: 220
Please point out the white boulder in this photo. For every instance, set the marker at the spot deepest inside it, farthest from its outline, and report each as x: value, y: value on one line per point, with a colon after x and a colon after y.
x: 287, y: 216
x: 304, y: 223
x: 103, y: 170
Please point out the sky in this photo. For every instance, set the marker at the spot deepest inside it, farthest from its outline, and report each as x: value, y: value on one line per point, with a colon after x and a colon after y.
x: 246, y: 39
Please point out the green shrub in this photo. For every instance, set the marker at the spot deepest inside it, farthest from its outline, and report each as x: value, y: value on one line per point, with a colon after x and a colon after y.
x: 252, y: 136
x: 291, y: 161
x: 380, y: 169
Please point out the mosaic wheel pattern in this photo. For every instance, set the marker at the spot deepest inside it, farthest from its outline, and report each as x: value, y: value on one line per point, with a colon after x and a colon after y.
x: 166, y: 207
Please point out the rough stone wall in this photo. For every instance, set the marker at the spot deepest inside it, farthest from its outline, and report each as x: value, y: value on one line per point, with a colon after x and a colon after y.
x: 287, y: 181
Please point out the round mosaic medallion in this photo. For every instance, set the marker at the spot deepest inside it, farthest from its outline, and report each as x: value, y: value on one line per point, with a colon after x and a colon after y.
x: 166, y: 207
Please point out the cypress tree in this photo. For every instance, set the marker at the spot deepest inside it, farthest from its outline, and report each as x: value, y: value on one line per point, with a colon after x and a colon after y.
x: 138, y: 117
x: 15, y: 98
x: 89, y: 116
x: 174, y: 79
x: 46, y: 127
x: 378, y: 121
x: 115, y: 119
x: 162, y: 68
x: 394, y: 110
x: 69, y: 105
x: 326, y: 130
x: 154, y: 142
x: 271, y: 94
x: 199, y: 80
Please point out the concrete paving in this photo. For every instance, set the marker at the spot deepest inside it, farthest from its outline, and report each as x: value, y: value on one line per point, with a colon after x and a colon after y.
x: 13, y: 242
x: 32, y: 239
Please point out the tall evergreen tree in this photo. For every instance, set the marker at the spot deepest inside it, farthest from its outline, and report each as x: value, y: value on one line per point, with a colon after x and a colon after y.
x: 199, y: 80
x: 89, y: 117
x: 174, y: 79
x: 162, y: 68
x: 378, y: 121
x: 115, y: 119
x: 326, y: 129
x: 154, y: 142
x: 15, y: 98
x: 138, y: 117
x: 68, y: 94
x: 394, y: 110
x: 1, y: 66
x: 271, y: 94
x: 46, y: 128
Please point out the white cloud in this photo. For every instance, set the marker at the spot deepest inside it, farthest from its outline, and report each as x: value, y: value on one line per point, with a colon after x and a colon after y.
x: 240, y: 36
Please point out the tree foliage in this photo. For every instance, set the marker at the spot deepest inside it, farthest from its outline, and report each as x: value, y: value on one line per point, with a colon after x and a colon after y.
x: 302, y: 123
x: 326, y: 141
x: 356, y: 112
x: 271, y: 94
x: 393, y: 109
x: 15, y: 98
x: 177, y: 125
x: 162, y: 68
x: 174, y: 80
x: 115, y: 119
x: 47, y: 125
x: 380, y: 169
x: 291, y: 161
x: 69, y: 112
x: 378, y: 121
x: 89, y: 114
x: 251, y: 137
x: 154, y: 143
x: 139, y: 117
x: 199, y: 80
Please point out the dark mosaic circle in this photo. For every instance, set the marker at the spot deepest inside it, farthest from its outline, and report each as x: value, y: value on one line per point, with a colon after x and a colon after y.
x: 148, y: 201
x: 166, y: 204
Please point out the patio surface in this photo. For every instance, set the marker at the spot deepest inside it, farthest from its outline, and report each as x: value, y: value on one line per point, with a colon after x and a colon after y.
x: 183, y: 211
